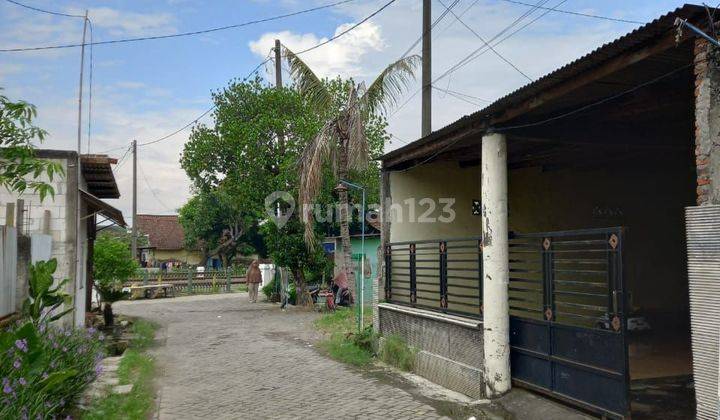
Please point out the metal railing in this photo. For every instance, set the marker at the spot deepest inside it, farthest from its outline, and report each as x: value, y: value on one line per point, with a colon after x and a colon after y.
x: 441, y: 275
x: 571, y: 277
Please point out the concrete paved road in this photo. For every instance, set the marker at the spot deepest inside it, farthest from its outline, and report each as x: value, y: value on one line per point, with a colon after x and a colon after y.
x: 224, y: 358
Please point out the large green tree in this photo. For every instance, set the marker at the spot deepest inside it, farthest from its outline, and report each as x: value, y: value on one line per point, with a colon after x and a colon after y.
x: 19, y: 168
x: 252, y: 150
x: 217, y: 223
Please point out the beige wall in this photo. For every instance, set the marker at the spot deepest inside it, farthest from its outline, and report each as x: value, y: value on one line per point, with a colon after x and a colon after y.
x: 435, y: 181
x: 645, y: 196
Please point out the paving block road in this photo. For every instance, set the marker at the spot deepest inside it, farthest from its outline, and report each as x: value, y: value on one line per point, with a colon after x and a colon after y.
x: 221, y: 357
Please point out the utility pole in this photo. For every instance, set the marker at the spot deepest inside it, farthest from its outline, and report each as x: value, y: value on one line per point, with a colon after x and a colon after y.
x: 278, y: 65
x: 278, y: 84
x: 78, y: 219
x: 426, y: 69
x: 134, y: 198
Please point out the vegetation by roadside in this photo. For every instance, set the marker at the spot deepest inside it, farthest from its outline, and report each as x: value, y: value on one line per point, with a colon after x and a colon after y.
x: 343, y: 342
x: 136, y: 368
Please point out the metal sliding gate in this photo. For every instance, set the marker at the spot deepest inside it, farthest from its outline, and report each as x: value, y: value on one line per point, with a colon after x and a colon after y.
x: 567, y: 317
x: 567, y: 306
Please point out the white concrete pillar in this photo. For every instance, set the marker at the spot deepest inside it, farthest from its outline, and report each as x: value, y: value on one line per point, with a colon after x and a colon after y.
x: 496, y: 318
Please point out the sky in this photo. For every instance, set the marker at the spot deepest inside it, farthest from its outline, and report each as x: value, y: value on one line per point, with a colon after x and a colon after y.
x: 148, y: 89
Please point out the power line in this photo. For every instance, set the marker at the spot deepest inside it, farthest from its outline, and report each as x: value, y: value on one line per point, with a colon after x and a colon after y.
x: 167, y: 136
x: 432, y: 26
x: 486, y: 43
x: 451, y: 69
x: 368, y: 17
x: 456, y: 95
x: 43, y: 10
x: 153, y: 191
x: 183, y: 34
x: 569, y: 12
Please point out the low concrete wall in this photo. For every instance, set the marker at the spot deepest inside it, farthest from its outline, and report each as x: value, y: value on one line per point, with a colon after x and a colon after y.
x: 449, y: 348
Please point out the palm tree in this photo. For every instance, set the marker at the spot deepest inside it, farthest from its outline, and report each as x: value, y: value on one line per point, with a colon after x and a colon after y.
x: 342, y: 141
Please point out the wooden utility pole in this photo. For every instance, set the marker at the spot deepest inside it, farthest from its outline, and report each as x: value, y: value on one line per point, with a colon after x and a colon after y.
x: 134, y: 199
x: 79, y: 321
x: 278, y: 65
x: 426, y: 69
x: 278, y: 84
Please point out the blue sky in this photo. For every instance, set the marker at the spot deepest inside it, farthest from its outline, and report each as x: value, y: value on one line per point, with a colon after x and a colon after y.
x: 144, y: 90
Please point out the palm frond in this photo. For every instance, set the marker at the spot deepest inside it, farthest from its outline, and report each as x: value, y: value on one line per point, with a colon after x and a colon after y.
x: 311, y: 163
x: 386, y: 90
x: 308, y: 84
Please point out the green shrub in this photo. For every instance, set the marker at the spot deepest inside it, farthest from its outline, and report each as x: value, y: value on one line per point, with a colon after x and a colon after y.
x: 396, y: 352
x: 270, y: 290
x: 366, y: 339
x: 45, y: 369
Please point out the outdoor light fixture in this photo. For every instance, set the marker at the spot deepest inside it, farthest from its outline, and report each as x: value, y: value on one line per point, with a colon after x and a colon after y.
x: 341, y: 187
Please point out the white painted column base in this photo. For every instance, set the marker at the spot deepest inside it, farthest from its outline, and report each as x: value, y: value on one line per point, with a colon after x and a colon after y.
x: 496, y: 318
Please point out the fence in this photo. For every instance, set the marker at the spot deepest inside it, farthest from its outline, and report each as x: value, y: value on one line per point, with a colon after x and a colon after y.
x: 191, y: 281
x: 442, y: 275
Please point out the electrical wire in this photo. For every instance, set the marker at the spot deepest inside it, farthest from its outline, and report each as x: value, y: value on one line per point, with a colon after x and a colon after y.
x: 432, y: 26
x: 450, y: 69
x: 183, y: 34
x: 147, y: 183
x: 167, y: 136
x: 634, y: 22
x: 17, y: 3
x: 486, y: 43
x: 368, y: 17
x: 456, y: 95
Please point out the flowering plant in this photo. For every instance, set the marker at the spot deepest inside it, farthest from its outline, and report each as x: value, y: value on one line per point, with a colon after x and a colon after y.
x: 44, y: 369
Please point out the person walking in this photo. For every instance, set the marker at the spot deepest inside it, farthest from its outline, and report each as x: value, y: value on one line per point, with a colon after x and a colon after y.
x: 253, y: 278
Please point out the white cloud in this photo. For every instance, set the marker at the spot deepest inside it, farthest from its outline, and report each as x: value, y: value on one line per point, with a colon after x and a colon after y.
x: 124, y: 23
x: 343, y: 56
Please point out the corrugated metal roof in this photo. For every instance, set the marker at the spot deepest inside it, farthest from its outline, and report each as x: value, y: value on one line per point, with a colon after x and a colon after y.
x: 639, y: 36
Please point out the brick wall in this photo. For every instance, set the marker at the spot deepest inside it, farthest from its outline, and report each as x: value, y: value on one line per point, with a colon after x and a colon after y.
x: 707, y: 123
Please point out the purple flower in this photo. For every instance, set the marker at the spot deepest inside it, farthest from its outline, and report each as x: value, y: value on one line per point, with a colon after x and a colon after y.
x: 45, y: 375
x: 64, y: 349
x: 91, y: 330
x: 68, y: 332
x: 98, y: 369
x: 55, y: 345
x: 7, y: 389
x: 22, y: 381
x: 101, y: 337
x: 53, y: 364
x: 17, y: 364
x: 22, y: 345
x: 5, y: 381
x: 42, y: 328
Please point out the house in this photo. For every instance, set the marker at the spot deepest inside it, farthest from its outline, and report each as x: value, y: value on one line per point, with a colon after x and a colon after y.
x: 166, y: 241
x: 563, y: 266
x: 53, y: 228
x: 334, y: 248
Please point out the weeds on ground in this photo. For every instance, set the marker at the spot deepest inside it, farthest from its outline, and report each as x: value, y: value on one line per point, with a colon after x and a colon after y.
x: 344, y: 343
x: 136, y: 368
x: 396, y: 352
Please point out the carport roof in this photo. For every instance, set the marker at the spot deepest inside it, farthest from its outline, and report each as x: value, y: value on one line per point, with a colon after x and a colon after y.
x: 563, y: 80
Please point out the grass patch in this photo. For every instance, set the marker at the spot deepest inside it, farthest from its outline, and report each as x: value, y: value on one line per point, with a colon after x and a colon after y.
x: 137, y: 368
x: 342, y: 349
x: 396, y: 352
x: 344, y: 344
